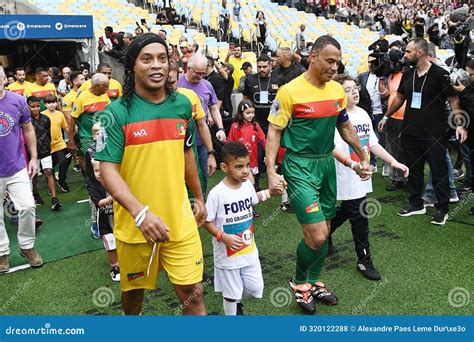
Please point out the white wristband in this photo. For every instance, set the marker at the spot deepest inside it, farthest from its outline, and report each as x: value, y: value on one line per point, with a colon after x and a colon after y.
x: 385, y: 118
x: 141, y: 216
x: 353, y: 164
x: 264, y: 195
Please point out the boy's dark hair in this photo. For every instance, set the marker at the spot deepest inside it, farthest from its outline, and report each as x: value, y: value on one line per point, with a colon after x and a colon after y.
x: 50, y: 98
x: 74, y: 75
x: 233, y: 150
x: 32, y: 99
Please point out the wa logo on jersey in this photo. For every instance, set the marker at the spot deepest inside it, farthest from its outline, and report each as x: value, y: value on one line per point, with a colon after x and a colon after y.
x: 140, y: 133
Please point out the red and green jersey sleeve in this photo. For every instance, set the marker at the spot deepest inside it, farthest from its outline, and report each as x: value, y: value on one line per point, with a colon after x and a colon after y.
x: 309, y: 115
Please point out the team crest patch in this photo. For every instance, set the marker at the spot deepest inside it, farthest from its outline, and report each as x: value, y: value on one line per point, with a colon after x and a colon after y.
x: 312, y: 208
x: 135, y: 276
x: 6, y: 124
x: 337, y: 104
x: 275, y: 108
x: 101, y: 138
x: 181, y: 129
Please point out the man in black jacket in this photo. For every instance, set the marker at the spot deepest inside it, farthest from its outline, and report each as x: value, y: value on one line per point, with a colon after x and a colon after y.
x: 287, y: 68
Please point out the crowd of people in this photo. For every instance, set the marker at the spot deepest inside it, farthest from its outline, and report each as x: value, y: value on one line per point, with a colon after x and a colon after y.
x: 315, y: 132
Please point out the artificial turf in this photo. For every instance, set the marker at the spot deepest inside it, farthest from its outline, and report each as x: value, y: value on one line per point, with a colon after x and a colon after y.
x: 421, y: 265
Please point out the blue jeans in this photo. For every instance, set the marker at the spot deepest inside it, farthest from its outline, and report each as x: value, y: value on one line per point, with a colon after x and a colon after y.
x: 464, y: 149
x: 429, y: 194
x: 380, y: 136
x: 202, y: 156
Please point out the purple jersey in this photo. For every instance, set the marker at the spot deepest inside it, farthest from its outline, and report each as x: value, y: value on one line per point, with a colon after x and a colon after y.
x: 13, y: 112
x: 206, y: 95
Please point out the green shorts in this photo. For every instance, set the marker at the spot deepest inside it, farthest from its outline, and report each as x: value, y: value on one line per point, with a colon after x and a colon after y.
x: 311, y: 186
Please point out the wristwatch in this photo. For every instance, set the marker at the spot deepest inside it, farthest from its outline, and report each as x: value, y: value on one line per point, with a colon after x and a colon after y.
x: 221, y: 129
x: 213, y: 152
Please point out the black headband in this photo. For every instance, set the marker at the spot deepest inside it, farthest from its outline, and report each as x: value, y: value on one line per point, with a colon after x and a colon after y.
x: 139, y: 43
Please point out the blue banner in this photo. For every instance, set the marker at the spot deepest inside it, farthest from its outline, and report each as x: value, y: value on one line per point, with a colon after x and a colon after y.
x: 241, y: 328
x: 16, y: 27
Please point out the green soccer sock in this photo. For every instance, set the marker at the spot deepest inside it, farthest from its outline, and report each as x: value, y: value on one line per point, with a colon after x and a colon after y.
x: 309, y: 262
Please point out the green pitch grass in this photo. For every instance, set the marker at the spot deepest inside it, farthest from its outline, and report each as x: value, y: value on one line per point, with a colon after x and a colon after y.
x: 426, y: 270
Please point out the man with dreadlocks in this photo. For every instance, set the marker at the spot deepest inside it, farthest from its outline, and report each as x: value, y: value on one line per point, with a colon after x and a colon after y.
x: 146, y: 159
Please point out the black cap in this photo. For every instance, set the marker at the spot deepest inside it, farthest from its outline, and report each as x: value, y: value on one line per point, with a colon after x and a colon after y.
x: 246, y: 65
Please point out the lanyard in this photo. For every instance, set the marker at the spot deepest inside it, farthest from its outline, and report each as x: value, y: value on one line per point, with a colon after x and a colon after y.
x: 268, y: 84
x: 422, y: 85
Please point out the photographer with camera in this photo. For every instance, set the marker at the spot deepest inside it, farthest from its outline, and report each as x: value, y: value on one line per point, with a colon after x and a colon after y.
x: 394, y: 123
x: 464, y: 86
x: 425, y: 88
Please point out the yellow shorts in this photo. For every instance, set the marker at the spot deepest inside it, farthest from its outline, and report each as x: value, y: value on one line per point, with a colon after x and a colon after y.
x: 181, y: 260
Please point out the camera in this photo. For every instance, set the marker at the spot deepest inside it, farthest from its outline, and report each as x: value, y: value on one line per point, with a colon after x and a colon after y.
x: 381, y: 65
x: 460, y: 76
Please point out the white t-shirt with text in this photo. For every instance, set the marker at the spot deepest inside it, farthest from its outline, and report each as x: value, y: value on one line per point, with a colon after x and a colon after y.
x: 231, y: 211
x: 349, y: 184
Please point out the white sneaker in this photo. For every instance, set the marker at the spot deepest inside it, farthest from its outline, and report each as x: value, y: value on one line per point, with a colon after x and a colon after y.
x: 385, y: 172
x: 454, y: 199
x: 115, y: 273
x: 373, y: 168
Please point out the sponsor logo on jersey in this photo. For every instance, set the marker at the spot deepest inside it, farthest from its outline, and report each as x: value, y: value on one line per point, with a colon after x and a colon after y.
x: 312, y: 208
x: 6, y: 124
x: 135, y: 276
x: 140, y: 133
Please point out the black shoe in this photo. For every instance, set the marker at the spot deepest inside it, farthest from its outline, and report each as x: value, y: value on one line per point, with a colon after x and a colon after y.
x: 256, y: 214
x: 64, y: 187
x: 471, y: 211
x: 395, y: 185
x: 332, y: 249
x: 304, y: 296
x: 286, y: 207
x: 55, y: 204
x: 463, y: 189
x: 38, y: 199
x: 410, y: 210
x: 240, y: 309
x: 321, y: 293
x: 439, y: 218
x: 367, y: 269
